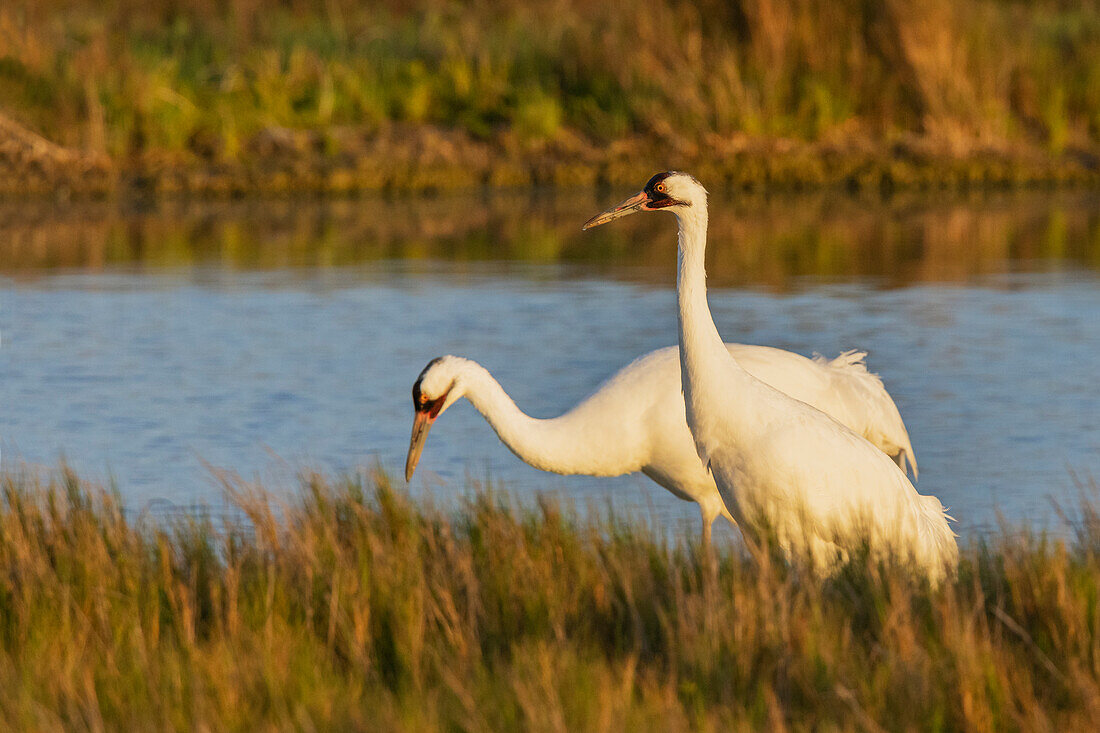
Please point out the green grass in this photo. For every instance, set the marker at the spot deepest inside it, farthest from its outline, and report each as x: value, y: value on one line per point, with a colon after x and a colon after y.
x: 439, y: 94
x: 353, y: 608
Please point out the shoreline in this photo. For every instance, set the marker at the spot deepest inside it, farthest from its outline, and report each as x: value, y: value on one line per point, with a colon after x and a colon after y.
x: 426, y: 160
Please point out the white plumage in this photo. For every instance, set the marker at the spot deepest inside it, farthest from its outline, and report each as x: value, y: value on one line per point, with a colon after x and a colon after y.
x: 778, y: 463
x: 635, y: 421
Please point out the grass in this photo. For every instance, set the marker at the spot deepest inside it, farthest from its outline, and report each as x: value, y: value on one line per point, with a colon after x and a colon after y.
x: 341, y: 95
x: 353, y: 608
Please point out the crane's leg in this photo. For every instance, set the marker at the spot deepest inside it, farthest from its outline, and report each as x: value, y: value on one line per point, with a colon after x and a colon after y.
x: 710, y: 512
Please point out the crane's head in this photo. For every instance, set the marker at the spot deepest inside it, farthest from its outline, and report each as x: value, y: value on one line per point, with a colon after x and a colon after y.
x: 437, y: 388
x: 669, y: 191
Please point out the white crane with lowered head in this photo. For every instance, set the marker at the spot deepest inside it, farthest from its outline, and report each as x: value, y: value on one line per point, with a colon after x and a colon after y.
x: 635, y: 421
x: 779, y: 463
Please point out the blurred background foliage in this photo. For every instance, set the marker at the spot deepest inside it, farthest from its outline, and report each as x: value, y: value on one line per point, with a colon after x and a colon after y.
x: 437, y: 85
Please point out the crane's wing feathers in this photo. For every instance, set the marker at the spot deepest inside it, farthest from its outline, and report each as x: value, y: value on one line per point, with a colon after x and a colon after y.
x: 855, y: 488
x: 870, y: 406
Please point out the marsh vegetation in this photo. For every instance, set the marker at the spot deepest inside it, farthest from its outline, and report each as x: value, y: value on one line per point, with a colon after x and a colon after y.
x: 352, y: 607
x: 339, y: 95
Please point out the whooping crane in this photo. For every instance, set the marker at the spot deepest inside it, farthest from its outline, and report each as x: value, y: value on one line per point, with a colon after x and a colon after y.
x: 778, y: 462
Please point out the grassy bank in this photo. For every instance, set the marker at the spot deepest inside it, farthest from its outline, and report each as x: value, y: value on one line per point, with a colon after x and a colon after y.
x: 339, y: 95
x: 353, y: 608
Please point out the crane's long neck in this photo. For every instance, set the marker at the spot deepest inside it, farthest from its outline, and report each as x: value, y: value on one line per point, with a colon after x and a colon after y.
x: 705, y: 363
x: 578, y: 442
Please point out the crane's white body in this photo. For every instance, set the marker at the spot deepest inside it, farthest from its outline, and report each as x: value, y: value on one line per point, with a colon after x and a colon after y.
x: 636, y: 421
x: 778, y: 463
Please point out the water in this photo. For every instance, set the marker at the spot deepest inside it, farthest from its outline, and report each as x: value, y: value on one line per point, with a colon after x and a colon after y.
x: 153, y: 346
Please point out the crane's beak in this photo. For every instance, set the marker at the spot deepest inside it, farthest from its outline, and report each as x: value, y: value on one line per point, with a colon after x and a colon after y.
x: 422, y: 423
x: 636, y: 202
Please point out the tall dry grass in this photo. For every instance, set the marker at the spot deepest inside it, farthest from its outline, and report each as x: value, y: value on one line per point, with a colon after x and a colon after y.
x: 353, y: 608
x: 570, y: 81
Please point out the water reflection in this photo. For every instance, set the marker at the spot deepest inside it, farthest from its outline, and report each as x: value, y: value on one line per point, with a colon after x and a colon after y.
x: 772, y: 242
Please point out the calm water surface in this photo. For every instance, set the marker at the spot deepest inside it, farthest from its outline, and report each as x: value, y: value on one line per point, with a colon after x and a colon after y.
x: 267, y: 337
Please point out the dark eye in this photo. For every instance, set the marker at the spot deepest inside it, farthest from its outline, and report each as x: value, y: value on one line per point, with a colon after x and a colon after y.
x: 660, y: 188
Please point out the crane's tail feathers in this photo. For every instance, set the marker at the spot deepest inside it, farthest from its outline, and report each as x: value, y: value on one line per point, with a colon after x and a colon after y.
x: 906, y: 461
x: 936, y: 549
x: 850, y: 360
x: 950, y: 518
x: 907, y: 449
x: 852, y: 365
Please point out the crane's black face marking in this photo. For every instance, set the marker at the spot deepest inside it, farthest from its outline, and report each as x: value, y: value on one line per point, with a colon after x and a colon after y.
x: 657, y: 194
x: 422, y: 403
x: 659, y: 178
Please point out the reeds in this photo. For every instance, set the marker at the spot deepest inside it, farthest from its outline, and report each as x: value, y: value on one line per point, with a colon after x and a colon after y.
x: 353, y: 608
x: 436, y: 94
